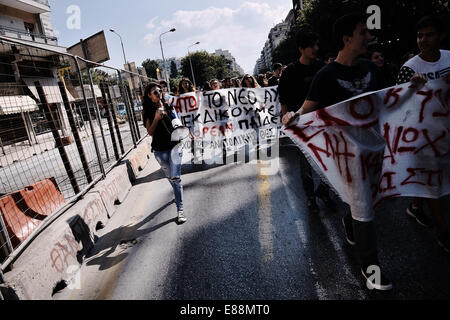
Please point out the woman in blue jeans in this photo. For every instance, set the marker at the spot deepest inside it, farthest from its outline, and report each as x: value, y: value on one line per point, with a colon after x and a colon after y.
x: 168, y: 153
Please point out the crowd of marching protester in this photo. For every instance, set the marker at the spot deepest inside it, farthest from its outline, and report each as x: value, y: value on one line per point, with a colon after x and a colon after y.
x: 272, y: 78
x: 309, y: 84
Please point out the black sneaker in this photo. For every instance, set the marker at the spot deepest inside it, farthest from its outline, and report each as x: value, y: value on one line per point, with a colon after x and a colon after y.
x: 348, y: 230
x: 375, y: 279
x: 444, y: 240
x: 419, y: 215
x: 312, y: 205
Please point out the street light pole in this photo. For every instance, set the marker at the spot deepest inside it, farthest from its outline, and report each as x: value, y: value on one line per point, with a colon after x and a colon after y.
x: 190, y: 62
x: 126, y: 64
x: 121, y: 42
x: 162, y: 53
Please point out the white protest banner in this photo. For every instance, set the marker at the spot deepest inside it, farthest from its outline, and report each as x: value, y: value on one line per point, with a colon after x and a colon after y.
x: 230, y: 118
x: 379, y: 145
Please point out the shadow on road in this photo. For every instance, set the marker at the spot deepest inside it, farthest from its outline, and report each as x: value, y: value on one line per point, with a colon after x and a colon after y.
x: 228, y: 252
x: 123, y: 238
x: 185, y: 169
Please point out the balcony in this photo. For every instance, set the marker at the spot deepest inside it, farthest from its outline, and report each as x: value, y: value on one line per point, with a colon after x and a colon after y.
x: 28, y: 36
x: 30, y: 6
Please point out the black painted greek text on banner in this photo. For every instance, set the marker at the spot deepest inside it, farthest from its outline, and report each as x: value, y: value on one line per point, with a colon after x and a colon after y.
x: 230, y: 118
x: 383, y: 144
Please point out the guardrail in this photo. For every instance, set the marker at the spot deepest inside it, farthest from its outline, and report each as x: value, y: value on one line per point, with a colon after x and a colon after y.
x: 60, y: 132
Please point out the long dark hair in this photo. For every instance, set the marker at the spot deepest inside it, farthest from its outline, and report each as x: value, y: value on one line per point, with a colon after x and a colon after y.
x: 148, y: 104
x: 180, y: 86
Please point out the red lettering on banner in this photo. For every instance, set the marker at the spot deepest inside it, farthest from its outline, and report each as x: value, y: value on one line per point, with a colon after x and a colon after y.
x: 186, y: 104
x: 391, y: 148
x: 358, y: 115
x: 361, y: 116
x: 213, y: 130
x: 392, y: 93
x: 388, y: 177
x: 431, y: 143
x: 315, y: 149
x: 408, y: 136
x: 409, y: 139
x: 428, y: 96
x: 414, y: 136
x: 192, y: 104
x: 335, y: 153
x: 438, y: 94
x: 300, y: 134
x: 423, y: 177
x: 412, y: 172
x: 430, y: 177
x: 329, y: 119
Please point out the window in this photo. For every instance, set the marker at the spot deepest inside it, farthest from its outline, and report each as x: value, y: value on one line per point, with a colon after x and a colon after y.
x: 29, y: 27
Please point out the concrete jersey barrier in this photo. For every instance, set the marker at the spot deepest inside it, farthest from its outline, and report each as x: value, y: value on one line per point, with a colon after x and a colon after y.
x: 57, y: 253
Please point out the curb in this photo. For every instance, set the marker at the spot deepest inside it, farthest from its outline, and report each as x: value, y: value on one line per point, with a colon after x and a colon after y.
x: 114, y: 189
x: 138, y: 159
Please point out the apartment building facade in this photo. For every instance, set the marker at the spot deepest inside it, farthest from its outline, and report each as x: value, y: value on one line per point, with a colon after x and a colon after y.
x: 28, y: 22
x: 227, y: 55
x: 276, y: 35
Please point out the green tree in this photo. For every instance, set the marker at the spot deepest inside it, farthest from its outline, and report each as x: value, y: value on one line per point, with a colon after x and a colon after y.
x: 173, y: 69
x: 96, y: 75
x: 206, y: 67
x: 397, y: 22
x: 150, y: 67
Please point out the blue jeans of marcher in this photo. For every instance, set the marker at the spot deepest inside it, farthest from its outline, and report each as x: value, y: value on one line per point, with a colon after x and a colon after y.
x: 170, y: 162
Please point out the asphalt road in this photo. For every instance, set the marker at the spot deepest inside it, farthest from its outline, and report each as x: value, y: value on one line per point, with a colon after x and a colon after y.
x: 250, y: 236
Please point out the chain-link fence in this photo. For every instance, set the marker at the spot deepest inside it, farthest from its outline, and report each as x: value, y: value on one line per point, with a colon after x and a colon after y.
x: 64, y: 123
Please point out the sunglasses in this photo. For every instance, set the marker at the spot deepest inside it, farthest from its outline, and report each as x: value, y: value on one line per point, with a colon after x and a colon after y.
x: 157, y: 92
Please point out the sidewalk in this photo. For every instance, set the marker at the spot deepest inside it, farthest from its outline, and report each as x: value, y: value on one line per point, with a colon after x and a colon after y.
x: 22, y: 150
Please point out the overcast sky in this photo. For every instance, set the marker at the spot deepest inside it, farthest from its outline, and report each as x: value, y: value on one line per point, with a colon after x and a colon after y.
x: 241, y: 27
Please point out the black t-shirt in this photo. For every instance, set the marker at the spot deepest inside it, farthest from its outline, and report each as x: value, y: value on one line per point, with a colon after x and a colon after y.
x: 161, y: 140
x: 273, y: 81
x: 294, y: 83
x: 335, y: 82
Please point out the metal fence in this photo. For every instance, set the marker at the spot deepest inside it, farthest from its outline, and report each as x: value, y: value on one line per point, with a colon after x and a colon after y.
x: 61, y: 130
